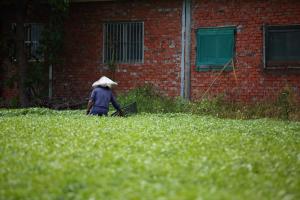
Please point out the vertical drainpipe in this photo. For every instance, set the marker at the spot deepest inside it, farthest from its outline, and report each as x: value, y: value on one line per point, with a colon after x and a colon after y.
x: 182, y: 50
x: 187, y: 68
x: 186, y: 49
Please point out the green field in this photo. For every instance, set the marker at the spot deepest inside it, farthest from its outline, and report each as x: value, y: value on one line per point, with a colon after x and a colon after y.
x: 67, y: 155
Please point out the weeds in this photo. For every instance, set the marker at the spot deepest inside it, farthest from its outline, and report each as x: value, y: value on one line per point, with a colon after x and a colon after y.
x: 150, y: 101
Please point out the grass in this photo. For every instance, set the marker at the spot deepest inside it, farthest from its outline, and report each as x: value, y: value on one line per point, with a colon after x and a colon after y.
x: 65, y: 155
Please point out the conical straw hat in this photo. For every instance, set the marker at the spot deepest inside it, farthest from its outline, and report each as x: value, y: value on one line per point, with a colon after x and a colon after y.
x: 104, y: 82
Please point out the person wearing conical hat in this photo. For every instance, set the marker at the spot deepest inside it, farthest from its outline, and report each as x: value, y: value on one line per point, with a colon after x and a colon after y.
x: 101, y: 96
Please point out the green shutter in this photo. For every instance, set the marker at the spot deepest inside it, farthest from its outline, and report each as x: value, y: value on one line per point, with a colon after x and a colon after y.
x: 215, y: 46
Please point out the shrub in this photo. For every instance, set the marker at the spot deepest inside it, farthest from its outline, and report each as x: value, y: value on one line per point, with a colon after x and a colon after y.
x: 150, y: 101
x: 286, y: 102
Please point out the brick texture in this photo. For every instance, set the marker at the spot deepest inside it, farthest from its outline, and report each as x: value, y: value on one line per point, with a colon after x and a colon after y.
x: 253, y: 83
x: 84, y: 46
x: 162, y: 55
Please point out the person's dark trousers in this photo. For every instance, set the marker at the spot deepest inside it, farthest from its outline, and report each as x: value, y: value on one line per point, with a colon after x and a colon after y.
x: 99, y: 114
x: 102, y: 114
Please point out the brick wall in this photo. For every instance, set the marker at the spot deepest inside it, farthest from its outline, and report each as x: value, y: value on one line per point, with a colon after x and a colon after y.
x: 84, y: 46
x: 253, y: 82
x: 162, y: 25
x: 161, y: 67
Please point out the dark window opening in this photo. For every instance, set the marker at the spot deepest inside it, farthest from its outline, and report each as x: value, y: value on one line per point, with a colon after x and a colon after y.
x: 282, y: 47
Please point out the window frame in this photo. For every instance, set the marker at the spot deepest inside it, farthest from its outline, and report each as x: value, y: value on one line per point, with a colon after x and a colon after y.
x: 277, y: 65
x: 215, y: 67
x: 105, y: 60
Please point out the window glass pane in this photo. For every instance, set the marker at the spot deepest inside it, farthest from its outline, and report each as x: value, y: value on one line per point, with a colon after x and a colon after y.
x: 293, y: 45
x: 277, y: 50
x: 282, y: 44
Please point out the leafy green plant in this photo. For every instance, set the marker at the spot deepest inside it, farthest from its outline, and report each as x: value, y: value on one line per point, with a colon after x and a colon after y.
x: 37, y: 82
x: 286, y: 102
x: 150, y: 100
x: 46, y: 154
x: 14, y: 102
x: 53, y: 33
x: 34, y: 78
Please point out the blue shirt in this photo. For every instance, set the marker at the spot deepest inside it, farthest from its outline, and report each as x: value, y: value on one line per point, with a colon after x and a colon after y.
x: 101, y: 97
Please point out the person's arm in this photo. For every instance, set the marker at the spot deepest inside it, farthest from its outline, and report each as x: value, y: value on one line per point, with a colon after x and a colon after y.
x: 89, y: 106
x: 90, y: 102
x: 116, y: 105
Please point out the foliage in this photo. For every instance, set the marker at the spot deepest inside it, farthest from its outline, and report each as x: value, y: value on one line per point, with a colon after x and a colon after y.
x: 286, y: 102
x: 36, y: 80
x: 149, y: 100
x: 51, y: 46
x: 53, y: 34
x: 35, y: 111
x: 47, y: 154
x: 14, y: 102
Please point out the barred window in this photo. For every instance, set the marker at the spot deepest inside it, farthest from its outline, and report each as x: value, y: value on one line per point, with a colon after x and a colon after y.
x: 33, y: 36
x: 123, y: 42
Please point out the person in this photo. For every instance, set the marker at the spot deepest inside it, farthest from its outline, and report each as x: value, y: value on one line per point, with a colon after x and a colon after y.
x: 100, y: 98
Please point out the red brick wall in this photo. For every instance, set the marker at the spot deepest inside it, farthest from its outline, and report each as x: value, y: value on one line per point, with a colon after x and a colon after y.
x: 162, y: 24
x: 84, y: 43
x: 161, y: 67
x: 253, y: 83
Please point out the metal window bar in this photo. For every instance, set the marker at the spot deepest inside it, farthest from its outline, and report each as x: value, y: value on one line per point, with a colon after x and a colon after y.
x: 124, y: 34
x: 129, y: 45
x: 133, y: 41
x: 123, y: 42
x: 264, y: 45
x: 34, y: 40
x: 118, y: 45
x: 119, y: 42
x: 27, y: 28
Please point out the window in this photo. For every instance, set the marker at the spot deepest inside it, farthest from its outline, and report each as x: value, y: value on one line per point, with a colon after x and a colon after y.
x: 33, y: 34
x: 282, y: 47
x: 124, y: 42
x: 32, y: 38
x: 215, y: 48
